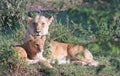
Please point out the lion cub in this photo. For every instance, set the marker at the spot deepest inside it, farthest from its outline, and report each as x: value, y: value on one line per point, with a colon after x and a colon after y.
x: 31, y: 51
x: 39, y: 26
x: 63, y: 52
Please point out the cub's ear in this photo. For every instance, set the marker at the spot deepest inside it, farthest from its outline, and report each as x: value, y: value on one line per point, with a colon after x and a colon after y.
x: 29, y: 19
x: 43, y: 38
x: 50, y: 19
x: 30, y: 38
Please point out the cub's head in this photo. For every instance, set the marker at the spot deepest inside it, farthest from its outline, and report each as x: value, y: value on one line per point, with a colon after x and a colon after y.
x: 40, y: 24
x: 34, y: 44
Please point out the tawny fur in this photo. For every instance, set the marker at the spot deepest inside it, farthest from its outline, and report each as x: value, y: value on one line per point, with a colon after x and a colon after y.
x: 38, y: 26
x: 63, y: 52
x: 31, y: 51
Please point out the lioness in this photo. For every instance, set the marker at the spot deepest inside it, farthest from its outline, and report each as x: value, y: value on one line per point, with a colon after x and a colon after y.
x: 39, y: 26
x: 31, y: 51
x: 63, y: 52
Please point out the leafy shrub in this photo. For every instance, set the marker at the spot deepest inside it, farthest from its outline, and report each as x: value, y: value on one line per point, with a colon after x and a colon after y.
x: 12, y: 14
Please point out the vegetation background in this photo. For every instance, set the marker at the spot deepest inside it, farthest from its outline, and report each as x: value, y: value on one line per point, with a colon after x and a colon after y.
x: 92, y: 23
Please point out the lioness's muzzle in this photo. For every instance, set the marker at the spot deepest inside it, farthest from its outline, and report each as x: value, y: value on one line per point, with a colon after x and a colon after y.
x: 37, y: 33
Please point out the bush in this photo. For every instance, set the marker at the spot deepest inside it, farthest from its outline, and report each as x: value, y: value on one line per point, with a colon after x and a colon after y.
x: 104, y: 25
x: 12, y: 14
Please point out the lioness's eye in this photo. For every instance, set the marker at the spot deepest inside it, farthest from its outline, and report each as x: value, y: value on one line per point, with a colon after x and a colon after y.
x: 43, y: 23
x: 37, y: 45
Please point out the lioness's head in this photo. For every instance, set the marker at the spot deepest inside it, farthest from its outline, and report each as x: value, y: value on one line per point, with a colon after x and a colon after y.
x: 34, y: 45
x: 40, y: 24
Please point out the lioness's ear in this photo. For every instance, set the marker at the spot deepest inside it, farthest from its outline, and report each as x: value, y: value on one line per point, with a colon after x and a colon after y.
x: 30, y: 38
x: 29, y: 19
x: 50, y: 19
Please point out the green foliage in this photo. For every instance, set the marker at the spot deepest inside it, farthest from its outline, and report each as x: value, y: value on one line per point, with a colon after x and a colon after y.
x: 12, y: 14
x: 6, y: 55
x: 100, y: 22
x: 114, y: 49
x: 93, y: 47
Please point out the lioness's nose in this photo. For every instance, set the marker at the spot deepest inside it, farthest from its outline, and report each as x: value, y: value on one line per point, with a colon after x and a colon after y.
x: 37, y: 31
